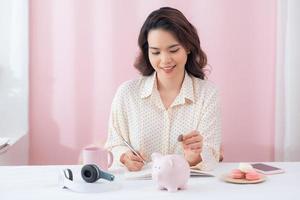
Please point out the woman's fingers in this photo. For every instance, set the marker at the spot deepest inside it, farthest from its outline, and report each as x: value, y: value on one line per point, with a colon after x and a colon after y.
x: 190, y: 135
x: 134, y: 157
x: 192, y: 140
x: 193, y: 146
x: 133, y: 162
x: 143, y: 156
x: 135, y: 166
x: 192, y: 143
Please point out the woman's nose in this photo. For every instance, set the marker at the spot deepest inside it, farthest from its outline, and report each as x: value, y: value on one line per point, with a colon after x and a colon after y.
x: 165, y: 58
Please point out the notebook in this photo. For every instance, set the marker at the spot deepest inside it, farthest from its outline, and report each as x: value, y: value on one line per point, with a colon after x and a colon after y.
x: 146, y: 173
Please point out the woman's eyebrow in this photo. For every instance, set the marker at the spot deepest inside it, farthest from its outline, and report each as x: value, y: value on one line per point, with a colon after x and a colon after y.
x: 155, y: 48
x: 174, y: 45
x: 169, y: 47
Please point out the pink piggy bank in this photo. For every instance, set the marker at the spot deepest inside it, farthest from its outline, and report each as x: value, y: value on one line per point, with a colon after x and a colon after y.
x: 171, y: 172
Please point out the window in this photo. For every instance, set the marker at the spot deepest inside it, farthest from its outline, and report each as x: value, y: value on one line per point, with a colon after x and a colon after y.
x: 13, y: 69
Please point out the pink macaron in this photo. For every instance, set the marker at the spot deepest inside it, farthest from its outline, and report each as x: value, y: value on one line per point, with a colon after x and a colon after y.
x: 252, y: 176
x: 237, y: 174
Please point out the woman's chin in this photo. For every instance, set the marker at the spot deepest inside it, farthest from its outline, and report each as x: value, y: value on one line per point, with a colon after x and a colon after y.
x: 170, y: 74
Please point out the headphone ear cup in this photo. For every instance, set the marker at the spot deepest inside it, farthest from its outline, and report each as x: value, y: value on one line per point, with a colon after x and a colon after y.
x: 90, y: 173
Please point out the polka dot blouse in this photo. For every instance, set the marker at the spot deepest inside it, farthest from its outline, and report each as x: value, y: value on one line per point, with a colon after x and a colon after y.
x: 139, y: 116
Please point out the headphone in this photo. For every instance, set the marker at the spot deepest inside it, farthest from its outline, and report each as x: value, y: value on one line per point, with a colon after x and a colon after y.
x: 90, y: 174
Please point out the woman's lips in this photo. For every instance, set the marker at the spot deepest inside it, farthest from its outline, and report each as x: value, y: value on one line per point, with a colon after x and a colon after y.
x: 168, y: 69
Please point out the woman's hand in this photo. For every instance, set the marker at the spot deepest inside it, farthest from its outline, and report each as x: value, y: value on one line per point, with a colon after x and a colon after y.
x: 192, y: 143
x: 132, y: 161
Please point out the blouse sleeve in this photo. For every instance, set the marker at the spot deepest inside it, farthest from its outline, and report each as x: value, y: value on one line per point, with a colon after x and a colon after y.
x: 117, y: 126
x: 210, y: 128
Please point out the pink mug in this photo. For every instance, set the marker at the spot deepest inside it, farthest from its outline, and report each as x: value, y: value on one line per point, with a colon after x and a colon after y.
x: 97, y: 155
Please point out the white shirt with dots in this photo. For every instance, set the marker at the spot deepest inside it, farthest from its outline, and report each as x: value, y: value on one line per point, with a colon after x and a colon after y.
x: 138, y: 114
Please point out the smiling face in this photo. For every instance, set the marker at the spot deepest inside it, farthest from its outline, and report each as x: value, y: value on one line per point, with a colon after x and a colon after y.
x: 167, y: 56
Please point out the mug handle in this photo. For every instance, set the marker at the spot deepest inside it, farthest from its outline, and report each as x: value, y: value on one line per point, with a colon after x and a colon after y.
x: 110, y: 158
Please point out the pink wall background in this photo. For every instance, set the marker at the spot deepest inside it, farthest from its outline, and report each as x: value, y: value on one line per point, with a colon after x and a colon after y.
x: 80, y: 51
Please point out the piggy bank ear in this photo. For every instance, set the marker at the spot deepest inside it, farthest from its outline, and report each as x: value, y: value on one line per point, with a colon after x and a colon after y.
x: 155, y: 156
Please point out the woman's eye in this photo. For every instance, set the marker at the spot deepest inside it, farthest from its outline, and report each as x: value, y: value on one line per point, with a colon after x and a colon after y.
x: 174, y: 51
x: 155, y: 53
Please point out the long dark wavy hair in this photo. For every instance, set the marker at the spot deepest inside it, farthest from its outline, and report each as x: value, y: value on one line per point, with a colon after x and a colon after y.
x: 172, y: 20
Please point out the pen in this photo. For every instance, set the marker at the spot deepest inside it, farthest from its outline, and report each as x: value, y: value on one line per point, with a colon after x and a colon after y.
x: 133, y: 150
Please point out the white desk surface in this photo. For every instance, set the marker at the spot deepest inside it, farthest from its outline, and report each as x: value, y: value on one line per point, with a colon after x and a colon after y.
x: 41, y: 182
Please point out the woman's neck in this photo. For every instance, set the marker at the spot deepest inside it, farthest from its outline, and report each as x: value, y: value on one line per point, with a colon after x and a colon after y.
x: 171, y: 85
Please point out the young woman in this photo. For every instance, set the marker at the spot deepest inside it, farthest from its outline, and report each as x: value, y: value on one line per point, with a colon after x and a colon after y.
x: 172, y: 98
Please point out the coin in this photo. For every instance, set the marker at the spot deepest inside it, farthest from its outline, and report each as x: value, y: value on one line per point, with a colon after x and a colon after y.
x: 180, y: 138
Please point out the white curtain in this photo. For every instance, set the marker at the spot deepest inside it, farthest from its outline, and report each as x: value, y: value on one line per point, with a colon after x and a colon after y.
x: 287, y: 137
x: 13, y: 68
